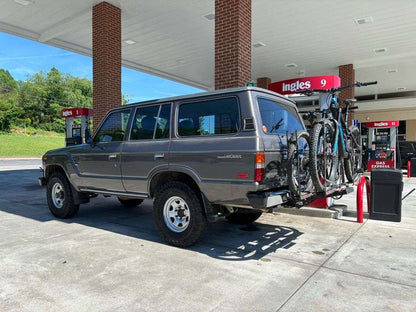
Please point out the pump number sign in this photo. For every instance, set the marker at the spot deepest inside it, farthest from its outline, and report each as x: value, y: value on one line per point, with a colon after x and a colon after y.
x: 307, y: 83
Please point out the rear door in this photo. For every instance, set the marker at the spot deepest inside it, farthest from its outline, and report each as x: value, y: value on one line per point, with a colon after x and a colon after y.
x: 147, y: 148
x: 209, y: 141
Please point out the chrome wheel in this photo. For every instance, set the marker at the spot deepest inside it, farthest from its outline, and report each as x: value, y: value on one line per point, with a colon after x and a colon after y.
x: 58, y: 195
x: 176, y: 214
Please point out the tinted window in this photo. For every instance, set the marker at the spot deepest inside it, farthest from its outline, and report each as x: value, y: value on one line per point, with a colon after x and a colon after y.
x: 144, y: 123
x: 206, y: 118
x: 151, y: 122
x: 278, y: 118
x: 114, y: 127
x: 163, y: 122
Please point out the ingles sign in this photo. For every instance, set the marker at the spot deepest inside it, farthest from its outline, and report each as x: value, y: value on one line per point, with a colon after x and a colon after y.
x: 301, y: 84
x: 75, y: 112
x: 382, y: 124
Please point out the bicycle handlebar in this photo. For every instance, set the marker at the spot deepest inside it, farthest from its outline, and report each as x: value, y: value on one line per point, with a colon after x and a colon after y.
x: 333, y: 90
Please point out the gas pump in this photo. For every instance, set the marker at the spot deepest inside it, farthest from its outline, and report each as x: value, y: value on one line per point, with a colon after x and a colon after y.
x: 76, y: 133
x: 382, y: 137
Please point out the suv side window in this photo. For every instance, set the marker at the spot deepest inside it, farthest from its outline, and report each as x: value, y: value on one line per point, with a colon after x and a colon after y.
x: 278, y: 118
x: 114, y: 127
x: 213, y: 117
x: 151, y: 122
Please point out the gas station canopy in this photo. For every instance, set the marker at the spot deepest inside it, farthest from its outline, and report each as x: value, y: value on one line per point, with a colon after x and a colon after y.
x: 175, y: 39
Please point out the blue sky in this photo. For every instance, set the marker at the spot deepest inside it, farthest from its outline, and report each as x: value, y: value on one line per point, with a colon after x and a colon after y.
x: 22, y: 58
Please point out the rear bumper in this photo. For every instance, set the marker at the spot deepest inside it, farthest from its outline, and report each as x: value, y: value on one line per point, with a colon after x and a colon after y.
x: 268, y: 199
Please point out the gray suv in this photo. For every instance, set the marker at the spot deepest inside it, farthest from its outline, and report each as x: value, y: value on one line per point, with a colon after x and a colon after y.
x: 201, y: 157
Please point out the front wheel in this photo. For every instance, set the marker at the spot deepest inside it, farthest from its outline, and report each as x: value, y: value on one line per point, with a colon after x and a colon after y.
x: 59, y: 197
x: 353, y: 161
x: 178, y: 214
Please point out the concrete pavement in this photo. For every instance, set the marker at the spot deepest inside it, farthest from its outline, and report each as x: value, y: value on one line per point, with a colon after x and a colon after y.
x: 109, y: 258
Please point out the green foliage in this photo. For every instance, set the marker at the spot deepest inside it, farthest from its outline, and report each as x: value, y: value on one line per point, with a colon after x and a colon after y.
x: 38, y: 101
x: 7, y: 82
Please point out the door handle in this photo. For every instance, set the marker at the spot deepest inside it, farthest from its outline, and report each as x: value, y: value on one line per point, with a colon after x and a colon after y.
x: 159, y: 156
x: 112, y: 157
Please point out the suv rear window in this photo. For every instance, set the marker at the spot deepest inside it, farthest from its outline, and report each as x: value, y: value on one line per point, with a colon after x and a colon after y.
x: 213, y: 117
x: 278, y: 118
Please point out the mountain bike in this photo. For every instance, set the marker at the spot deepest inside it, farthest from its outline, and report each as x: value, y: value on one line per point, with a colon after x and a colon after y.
x: 335, y: 148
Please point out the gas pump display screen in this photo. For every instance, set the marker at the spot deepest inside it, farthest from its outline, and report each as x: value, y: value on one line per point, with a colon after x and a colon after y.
x: 382, y: 138
x: 76, y: 132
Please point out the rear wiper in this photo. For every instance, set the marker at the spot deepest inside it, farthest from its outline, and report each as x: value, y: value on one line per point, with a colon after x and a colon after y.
x: 276, y: 125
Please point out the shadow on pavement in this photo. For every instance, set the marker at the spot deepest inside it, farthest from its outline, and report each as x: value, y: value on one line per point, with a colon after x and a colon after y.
x: 22, y: 196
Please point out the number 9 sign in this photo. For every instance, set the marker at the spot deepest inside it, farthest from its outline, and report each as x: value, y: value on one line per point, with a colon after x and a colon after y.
x: 323, y: 83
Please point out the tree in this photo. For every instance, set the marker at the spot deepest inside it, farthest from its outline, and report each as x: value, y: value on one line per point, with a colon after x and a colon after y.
x: 7, y: 82
x: 44, y: 95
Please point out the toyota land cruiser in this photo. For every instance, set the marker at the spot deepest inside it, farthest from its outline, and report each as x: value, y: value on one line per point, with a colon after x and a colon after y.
x: 200, y: 157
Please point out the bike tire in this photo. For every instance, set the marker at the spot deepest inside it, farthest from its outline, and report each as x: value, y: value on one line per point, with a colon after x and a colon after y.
x: 353, y: 162
x: 323, y: 161
x: 299, y: 179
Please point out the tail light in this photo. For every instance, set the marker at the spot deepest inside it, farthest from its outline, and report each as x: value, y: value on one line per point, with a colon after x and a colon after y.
x: 259, y: 168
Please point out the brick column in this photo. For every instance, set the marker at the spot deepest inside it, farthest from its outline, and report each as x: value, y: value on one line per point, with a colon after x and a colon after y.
x: 347, y: 74
x: 106, y: 59
x: 232, y: 43
x: 263, y: 82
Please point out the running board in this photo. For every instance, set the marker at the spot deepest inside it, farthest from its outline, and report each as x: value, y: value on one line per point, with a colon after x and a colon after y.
x: 125, y: 194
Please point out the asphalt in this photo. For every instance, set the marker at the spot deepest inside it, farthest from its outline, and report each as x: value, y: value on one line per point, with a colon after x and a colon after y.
x: 110, y: 258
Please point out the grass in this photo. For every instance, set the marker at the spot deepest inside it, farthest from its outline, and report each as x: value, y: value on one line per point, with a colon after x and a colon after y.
x: 15, y: 145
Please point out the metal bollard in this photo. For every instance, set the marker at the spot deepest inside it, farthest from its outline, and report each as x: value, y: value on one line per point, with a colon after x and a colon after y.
x: 409, y: 163
x: 364, y: 182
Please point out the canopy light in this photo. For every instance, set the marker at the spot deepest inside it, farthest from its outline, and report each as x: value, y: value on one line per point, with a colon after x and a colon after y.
x: 129, y: 41
x: 24, y: 2
x: 380, y: 50
x: 259, y: 44
x: 209, y: 16
x: 363, y: 20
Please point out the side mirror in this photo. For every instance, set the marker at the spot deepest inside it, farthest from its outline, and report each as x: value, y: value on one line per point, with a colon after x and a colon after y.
x: 89, y: 141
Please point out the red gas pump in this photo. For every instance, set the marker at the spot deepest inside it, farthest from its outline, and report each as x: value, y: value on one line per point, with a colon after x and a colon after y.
x: 382, y: 139
x: 76, y: 133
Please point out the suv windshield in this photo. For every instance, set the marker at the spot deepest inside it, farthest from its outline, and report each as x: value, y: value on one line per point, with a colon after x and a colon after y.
x: 278, y: 118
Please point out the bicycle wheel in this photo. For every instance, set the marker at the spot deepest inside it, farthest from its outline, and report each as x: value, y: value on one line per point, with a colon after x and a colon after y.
x: 352, y: 163
x: 299, y: 177
x: 323, y: 159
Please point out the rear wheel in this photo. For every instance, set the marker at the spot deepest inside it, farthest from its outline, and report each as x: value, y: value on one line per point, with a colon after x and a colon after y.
x: 299, y: 177
x: 59, y: 197
x: 178, y: 214
x: 353, y: 161
x: 323, y: 159
x: 244, y: 216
